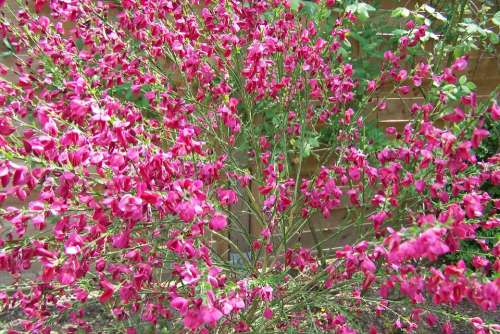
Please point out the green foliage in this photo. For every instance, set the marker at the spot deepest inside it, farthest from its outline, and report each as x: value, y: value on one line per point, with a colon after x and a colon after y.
x: 361, y: 9
x: 400, y: 12
x: 309, y: 8
x: 496, y: 18
x: 124, y: 92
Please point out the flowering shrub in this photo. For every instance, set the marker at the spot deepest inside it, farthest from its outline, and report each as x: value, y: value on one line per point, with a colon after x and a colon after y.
x: 136, y: 134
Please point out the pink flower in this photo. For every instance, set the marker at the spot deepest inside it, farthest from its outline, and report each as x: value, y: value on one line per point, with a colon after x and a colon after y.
x: 189, y: 274
x: 368, y: 266
x: 478, y: 135
x: 419, y: 186
x: 431, y: 319
x: 210, y: 315
x: 127, y: 293
x: 72, y: 250
x: 81, y: 294
x: 67, y: 276
x: 108, y: 291
x: 353, y: 196
x: 188, y: 210
x: 131, y: 206
x: 460, y: 64
x: 268, y: 313
x: 378, y: 219
x: 5, y: 127
x: 121, y: 240
x: 473, y: 206
x: 227, y: 196
x: 218, y: 222
x: 192, y: 319
x: 354, y: 173
x: 180, y: 304
x: 456, y: 116
x: 242, y: 327
x: 495, y: 111
x: 372, y: 86
x: 391, y: 130
x: 447, y: 328
x: 266, y: 293
x: 479, y: 262
x: 347, y: 70
x: 155, y: 118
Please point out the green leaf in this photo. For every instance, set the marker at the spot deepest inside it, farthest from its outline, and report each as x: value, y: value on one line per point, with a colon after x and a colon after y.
x: 351, y: 8
x: 450, y: 90
x: 472, y: 28
x: 494, y: 38
x: 400, y: 12
x: 462, y: 80
x: 471, y: 85
x: 310, y: 8
x: 343, y: 52
x: 458, y: 51
x: 448, y: 87
x: 8, y: 45
x: 294, y: 4
x: 496, y: 18
x: 361, y: 9
x: 79, y: 43
x: 420, y: 19
x: 309, y: 145
x: 399, y: 32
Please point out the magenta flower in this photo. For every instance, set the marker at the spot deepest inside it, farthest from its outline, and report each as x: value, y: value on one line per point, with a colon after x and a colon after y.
x: 132, y: 131
x: 218, y: 222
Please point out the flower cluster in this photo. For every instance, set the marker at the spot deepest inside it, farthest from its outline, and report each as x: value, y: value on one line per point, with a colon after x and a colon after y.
x: 137, y: 137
